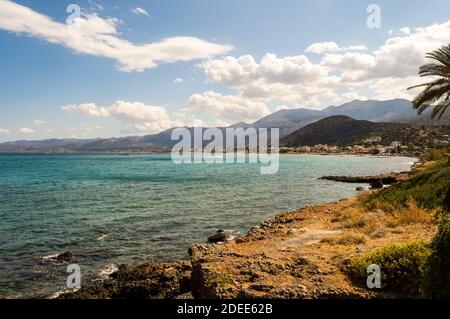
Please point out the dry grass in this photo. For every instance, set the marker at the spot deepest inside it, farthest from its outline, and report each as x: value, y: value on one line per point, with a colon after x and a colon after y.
x: 356, y: 217
x: 411, y: 214
x: 373, y: 221
x: 364, y: 200
x: 347, y: 239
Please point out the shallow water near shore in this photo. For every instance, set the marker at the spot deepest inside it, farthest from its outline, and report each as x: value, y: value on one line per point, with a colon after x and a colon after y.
x: 110, y: 209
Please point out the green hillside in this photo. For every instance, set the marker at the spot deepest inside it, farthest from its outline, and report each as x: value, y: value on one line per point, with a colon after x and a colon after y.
x: 343, y: 130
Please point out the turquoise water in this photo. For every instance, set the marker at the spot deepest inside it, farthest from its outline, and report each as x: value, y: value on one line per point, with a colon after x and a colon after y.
x: 149, y: 206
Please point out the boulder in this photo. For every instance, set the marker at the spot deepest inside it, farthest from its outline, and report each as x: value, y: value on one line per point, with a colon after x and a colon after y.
x: 62, y: 257
x: 219, y: 236
x: 376, y: 185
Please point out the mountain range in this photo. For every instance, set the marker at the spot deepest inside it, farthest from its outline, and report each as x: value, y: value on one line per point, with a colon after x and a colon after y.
x: 288, y: 121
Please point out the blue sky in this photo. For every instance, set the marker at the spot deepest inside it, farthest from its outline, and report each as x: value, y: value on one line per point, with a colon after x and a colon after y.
x: 245, y: 59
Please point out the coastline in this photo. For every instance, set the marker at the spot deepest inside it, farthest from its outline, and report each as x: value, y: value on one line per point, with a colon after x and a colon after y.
x: 248, y: 214
x: 297, y: 254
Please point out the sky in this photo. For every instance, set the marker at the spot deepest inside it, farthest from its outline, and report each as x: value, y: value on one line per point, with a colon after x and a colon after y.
x: 118, y: 68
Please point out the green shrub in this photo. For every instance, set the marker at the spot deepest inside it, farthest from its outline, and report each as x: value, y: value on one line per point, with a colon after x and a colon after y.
x: 427, y: 188
x: 215, y: 278
x: 433, y: 154
x: 401, y: 267
x: 436, y: 283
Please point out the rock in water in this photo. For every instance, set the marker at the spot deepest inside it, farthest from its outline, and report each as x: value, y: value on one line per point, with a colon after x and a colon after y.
x: 376, y: 185
x: 66, y: 256
x: 102, y: 237
x: 63, y: 257
x: 219, y: 236
x: 359, y: 189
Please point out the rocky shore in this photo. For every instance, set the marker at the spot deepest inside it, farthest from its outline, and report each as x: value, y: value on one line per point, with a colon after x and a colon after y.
x: 375, y: 181
x: 299, y: 254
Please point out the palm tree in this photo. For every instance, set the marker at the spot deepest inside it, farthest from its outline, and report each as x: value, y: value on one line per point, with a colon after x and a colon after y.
x: 436, y: 92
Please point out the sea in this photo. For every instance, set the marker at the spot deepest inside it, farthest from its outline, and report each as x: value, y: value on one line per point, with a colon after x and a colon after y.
x: 109, y: 209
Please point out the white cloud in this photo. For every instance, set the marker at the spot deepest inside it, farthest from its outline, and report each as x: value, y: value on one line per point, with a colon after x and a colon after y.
x: 26, y: 130
x: 343, y: 72
x: 322, y: 47
x: 132, y: 116
x: 90, y: 109
x: 405, y: 30
x: 178, y: 81
x: 39, y: 122
x: 345, y: 97
x: 332, y: 47
x: 388, y: 88
x: 349, y: 61
x: 96, y: 36
x: 4, y: 131
x: 271, y: 78
x: 227, y: 108
x: 282, y: 107
x: 140, y: 11
x: 356, y: 48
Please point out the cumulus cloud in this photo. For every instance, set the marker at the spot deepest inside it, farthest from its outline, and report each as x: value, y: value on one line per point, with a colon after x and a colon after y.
x: 26, y: 130
x: 398, y: 57
x: 132, y: 116
x: 392, y: 87
x: 227, y: 108
x: 344, y: 72
x: 405, y: 30
x: 93, y: 35
x: 330, y: 47
x: 140, y: 11
x: 271, y: 78
x: 178, y: 81
x: 349, y: 61
x: 4, y: 131
x: 322, y: 47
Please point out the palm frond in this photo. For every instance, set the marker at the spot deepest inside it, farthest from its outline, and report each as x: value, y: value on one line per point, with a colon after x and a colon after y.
x: 442, y: 55
x: 430, y: 84
x: 430, y: 96
x: 433, y: 69
x: 436, y: 93
x: 439, y: 110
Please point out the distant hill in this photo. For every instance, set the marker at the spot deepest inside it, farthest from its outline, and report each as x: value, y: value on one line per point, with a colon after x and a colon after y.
x: 47, y: 143
x: 343, y: 130
x: 393, y: 111
x: 374, y: 111
x: 288, y: 121
x: 157, y: 141
x: 332, y: 130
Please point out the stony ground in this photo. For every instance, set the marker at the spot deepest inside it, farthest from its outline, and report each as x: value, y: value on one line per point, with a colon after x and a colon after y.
x: 301, y: 254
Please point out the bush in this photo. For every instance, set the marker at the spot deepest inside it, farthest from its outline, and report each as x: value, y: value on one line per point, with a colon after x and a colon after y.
x: 436, y: 283
x: 401, y: 267
x: 427, y: 188
x: 433, y: 154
